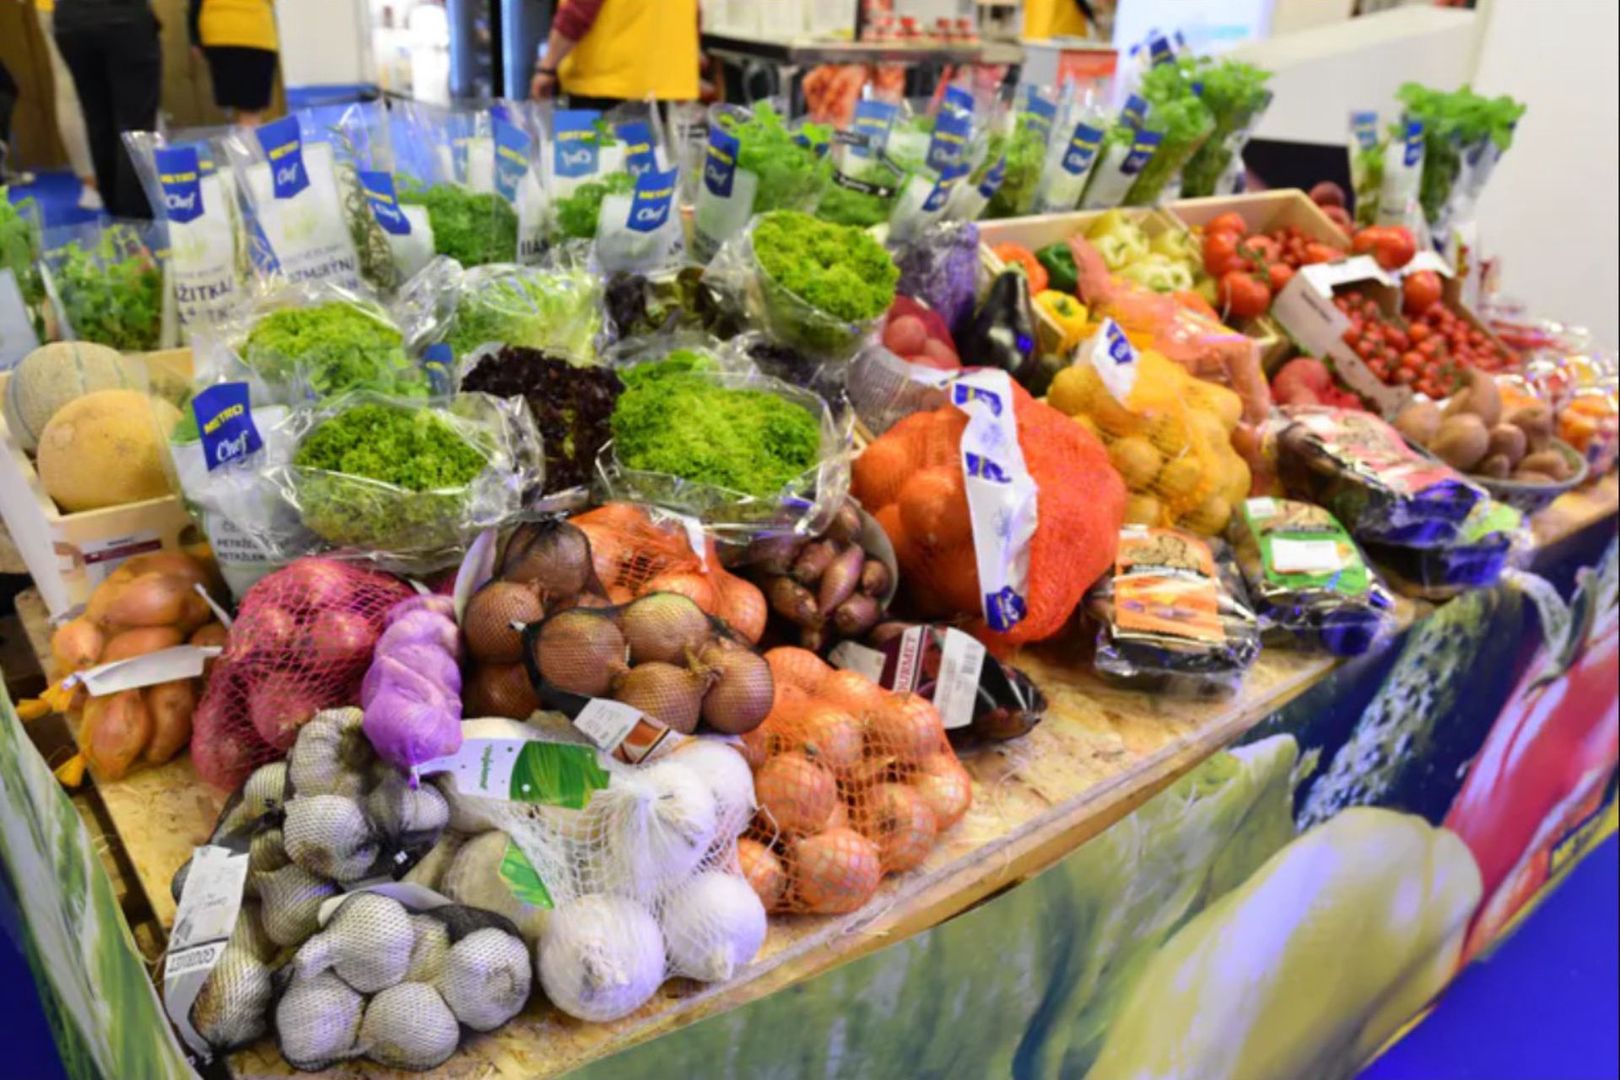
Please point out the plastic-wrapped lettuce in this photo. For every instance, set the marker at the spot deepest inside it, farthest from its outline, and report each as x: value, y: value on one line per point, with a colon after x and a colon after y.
x: 1182, y: 121
x: 1023, y: 151
x: 556, y: 310
x: 1236, y: 95
x: 755, y: 162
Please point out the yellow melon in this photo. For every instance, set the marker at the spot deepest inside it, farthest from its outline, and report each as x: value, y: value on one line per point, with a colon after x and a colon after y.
x: 106, y: 449
x: 55, y: 374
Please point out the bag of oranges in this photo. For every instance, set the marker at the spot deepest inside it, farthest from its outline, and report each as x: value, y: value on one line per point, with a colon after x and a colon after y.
x: 1168, y: 434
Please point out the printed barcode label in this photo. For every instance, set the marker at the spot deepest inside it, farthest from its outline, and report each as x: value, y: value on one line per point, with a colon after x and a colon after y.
x: 957, y: 689
x: 198, y: 957
x: 1305, y: 556
x: 607, y: 723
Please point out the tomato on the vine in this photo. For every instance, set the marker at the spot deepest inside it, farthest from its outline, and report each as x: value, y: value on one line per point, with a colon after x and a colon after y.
x: 1244, y: 295
x: 1220, y: 253
x: 1231, y: 221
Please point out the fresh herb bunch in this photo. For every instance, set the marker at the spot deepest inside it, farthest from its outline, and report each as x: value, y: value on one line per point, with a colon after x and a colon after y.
x: 791, y: 173
x: 572, y: 407
x: 1026, y: 156
x: 112, y: 293
x: 578, y: 213
x: 848, y: 204
x: 471, y: 227
x: 19, y: 252
x: 1452, y: 123
x: 674, y: 418
x: 336, y: 346
x: 1235, y: 94
x: 836, y: 269
x: 534, y: 308
x: 387, y: 478
x: 1179, y: 115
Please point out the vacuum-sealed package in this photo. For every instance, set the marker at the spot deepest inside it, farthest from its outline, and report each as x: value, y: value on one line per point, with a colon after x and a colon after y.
x: 639, y: 231
x: 1173, y: 616
x: 1489, y: 540
x: 1307, y: 580
x: 290, y: 184
x: 1361, y: 469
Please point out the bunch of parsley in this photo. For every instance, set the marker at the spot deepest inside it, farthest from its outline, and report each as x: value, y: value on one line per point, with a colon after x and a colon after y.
x: 111, y: 292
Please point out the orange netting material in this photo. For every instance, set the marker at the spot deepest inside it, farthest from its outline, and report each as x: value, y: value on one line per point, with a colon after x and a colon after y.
x: 634, y: 553
x: 853, y: 782
x: 911, y: 481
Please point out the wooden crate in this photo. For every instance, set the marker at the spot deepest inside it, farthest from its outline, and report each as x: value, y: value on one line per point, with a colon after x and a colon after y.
x: 1260, y: 211
x: 69, y: 554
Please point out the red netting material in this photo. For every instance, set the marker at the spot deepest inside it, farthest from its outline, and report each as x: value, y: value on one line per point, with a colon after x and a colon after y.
x: 910, y: 479
x: 636, y: 551
x: 853, y: 782
x: 301, y: 642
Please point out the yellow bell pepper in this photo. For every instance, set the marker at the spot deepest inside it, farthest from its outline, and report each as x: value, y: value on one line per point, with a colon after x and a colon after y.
x: 1069, y: 314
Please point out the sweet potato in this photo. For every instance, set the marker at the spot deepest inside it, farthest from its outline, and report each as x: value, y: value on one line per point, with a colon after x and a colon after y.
x: 1548, y: 462
x: 1508, y: 441
x: 76, y: 645
x: 170, y: 705
x: 114, y: 731
x: 139, y: 642
x: 1461, y: 441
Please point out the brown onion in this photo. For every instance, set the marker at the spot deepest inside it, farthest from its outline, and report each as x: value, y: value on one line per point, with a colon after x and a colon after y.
x: 764, y: 872
x: 500, y: 690
x: 553, y: 556
x: 835, y: 872
x: 795, y: 794
x: 908, y: 727
x: 76, y: 645
x: 149, y: 600
x: 487, y: 623
x: 945, y: 786
x: 899, y: 821
x: 830, y: 737
x: 580, y: 652
x: 743, y: 690
x: 665, y: 626
x: 671, y: 695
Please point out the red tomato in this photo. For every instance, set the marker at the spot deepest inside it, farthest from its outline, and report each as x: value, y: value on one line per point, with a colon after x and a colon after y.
x: 1259, y: 248
x: 1220, y: 253
x: 1315, y: 252
x: 1419, y: 292
x: 1419, y: 332
x: 1391, y: 245
x: 1243, y: 294
x: 1278, y: 275
x: 905, y: 335
x: 1231, y: 221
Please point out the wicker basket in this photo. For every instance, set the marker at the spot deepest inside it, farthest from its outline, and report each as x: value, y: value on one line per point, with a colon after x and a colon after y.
x: 1532, y: 498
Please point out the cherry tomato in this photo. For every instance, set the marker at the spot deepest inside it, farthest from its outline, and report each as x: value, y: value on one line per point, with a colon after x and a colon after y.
x: 1244, y: 295
x: 1279, y: 275
x: 1316, y: 252
x: 1259, y: 248
x: 1419, y: 332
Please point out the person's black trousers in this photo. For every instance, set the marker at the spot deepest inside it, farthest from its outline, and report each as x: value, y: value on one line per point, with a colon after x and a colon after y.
x: 118, y: 72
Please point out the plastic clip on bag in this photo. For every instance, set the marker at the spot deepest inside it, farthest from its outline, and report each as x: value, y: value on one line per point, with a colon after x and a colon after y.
x: 1173, y: 616
x: 195, y: 195
x: 407, y: 484
x: 1308, y: 580
x: 108, y: 284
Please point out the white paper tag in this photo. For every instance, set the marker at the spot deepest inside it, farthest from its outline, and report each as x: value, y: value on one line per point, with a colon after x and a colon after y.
x: 102, y: 557
x: 164, y: 665
x: 607, y: 723
x: 858, y: 658
x: 1325, y: 276
x: 481, y: 767
x: 1262, y: 507
x: 1428, y: 259
x: 203, y: 922
x: 956, y: 690
x: 1113, y: 357
x: 1000, y: 495
x: 1305, y: 556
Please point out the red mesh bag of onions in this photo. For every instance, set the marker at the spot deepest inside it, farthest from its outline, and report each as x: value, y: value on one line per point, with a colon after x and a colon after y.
x: 301, y: 642
x: 853, y: 782
x: 638, y: 550
x: 659, y: 657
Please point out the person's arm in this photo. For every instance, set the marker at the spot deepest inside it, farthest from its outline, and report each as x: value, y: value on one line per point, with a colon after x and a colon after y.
x: 572, y: 22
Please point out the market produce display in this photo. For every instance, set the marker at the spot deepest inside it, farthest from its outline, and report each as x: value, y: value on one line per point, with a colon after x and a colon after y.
x: 332, y: 346
x: 826, y: 587
x: 110, y: 288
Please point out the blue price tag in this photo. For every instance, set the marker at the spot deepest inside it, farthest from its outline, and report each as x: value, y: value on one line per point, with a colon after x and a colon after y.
x: 1082, y: 149
x: 1134, y: 111
x: 511, y: 158
x: 180, y: 177
x: 651, y: 201
x: 574, y: 147
x: 720, y: 162
x: 873, y: 120
x: 1143, y: 147
x: 952, y: 129
x: 225, y: 420
x: 283, y: 146
x: 380, y: 193
x: 990, y: 183
x: 638, y: 147
x: 1040, y: 111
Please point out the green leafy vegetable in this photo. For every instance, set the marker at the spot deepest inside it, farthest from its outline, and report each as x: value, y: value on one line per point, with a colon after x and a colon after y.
x: 1452, y: 123
x: 675, y: 418
x: 19, y: 252
x: 111, y: 293
x: 1235, y: 94
x: 335, y: 346
x: 1178, y: 114
x: 791, y: 172
x: 471, y: 227
x: 578, y: 212
x: 1026, y: 155
x: 539, y: 309
x: 837, y: 269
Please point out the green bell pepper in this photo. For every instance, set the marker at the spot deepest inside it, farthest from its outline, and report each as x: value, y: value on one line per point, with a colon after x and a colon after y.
x: 1061, y: 273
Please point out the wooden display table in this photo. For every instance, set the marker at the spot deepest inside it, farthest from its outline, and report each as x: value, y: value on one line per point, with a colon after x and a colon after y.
x: 1099, y: 754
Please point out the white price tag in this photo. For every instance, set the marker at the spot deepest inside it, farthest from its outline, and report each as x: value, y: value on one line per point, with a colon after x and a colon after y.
x: 164, y: 665
x: 957, y: 688
x: 1261, y: 507
x: 203, y: 922
x: 1000, y: 495
x: 1305, y: 556
x: 858, y: 658
x: 482, y: 767
x: 607, y: 723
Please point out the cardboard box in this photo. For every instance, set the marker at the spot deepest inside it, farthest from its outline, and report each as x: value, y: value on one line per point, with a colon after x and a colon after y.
x: 1305, y: 310
x: 69, y: 554
x: 1451, y: 294
x: 1262, y: 211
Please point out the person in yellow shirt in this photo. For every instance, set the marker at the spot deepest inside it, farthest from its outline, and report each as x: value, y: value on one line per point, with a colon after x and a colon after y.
x: 238, y: 39
x: 602, y: 52
x: 1058, y: 18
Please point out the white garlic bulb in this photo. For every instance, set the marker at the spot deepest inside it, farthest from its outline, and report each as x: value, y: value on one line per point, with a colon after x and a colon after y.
x: 232, y: 1009
x: 331, y: 755
x: 430, y: 949
x: 396, y: 809
x: 486, y: 980
x: 264, y: 792
x: 367, y: 943
x: 329, y: 835
x: 474, y: 878
x: 409, y: 1027
x: 318, y: 1021
x: 290, y: 903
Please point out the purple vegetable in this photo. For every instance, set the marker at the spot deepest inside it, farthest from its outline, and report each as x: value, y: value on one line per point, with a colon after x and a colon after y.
x: 409, y: 718
x: 940, y: 268
x: 432, y: 602
x: 426, y: 661
x: 421, y: 628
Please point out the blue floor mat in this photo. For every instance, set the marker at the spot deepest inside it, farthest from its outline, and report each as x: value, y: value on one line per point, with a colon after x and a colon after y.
x: 57, y: 194
x: 1542, y: 1007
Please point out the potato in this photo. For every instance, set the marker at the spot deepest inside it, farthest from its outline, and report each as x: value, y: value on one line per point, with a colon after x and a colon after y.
x: 1419, y: 422
x: 1548, y: 462
x: 1536, y: 421
x: 1480, y: 398
x: 114, y: 731
x: 139, y: 642
x: 1461, y: 441
x: 149, y: 600
x: 1136, y: 461
x: 1143, y: 510
x: 1495, y: 466
x: 170, y: 706
x: 1509, y: 442
x: 1208, y: 517
x: 1530, y: 476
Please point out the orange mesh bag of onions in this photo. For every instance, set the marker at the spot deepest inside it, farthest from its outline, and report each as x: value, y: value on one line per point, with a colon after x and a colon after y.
x: 302, y: 641
x: 853, y: 782
x: 638, y: 550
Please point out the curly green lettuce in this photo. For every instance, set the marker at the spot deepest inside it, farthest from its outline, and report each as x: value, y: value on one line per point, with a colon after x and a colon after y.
x: 836, y: 269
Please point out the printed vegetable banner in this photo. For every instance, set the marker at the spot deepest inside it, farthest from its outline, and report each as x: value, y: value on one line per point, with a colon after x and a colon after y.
x: 1339, y: 865
x: 92, y: 982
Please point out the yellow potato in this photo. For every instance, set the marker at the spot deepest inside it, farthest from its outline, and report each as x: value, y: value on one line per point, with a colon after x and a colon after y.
x: 1138, y: 463
x: 1179, y: 480
x: 1073, y: 389
x: 1224, y: 403
x: 1209, y: 517
x: 1238, y: 480
x: 1143, y: 510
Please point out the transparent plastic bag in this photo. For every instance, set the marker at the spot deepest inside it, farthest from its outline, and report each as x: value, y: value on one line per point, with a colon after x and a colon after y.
x: 1070, y: 159
x: 641, y: 231
x: 753, y: 162
x: 194, y: 194
x: 108, y: 283
x: 956, y: 138
x: 864, y: 182
x: 519, y: 136
x: 1491, y: 539
x: 594, y: 155
x: 1023, y: 145
x: 630, y: 873
x: 445, y: 162
x: 940, y: 267
x: 288, y: 180
x: 805, y: 503
x: 1361, y: 469
x: 1173, y: 616
x: 883, y: 389
x: 558, y: 310
x: 1307, y: 579
x: 474, y: 461
x: 739, y: 273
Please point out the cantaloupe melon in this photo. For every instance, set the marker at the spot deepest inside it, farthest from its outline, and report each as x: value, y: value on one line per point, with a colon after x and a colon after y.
x: 106, y: 449
x: 53, y: 375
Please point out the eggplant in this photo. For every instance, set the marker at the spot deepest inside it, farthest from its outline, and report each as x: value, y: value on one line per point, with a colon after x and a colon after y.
x: 1002, y: 333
